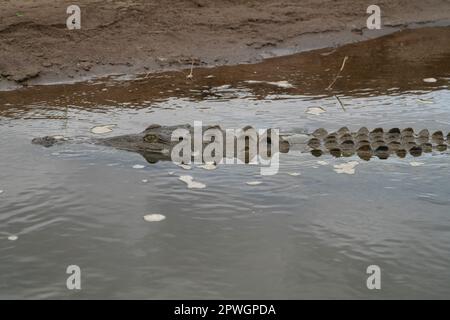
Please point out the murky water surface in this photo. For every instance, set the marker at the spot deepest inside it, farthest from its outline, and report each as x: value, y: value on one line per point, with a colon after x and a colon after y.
x: 293, y: 236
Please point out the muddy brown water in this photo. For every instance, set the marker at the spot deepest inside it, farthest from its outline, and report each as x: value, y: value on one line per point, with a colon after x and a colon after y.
x: 293, y: 236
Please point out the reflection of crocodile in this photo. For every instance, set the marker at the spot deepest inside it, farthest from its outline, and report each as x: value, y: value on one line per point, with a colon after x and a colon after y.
x: 155, y: 142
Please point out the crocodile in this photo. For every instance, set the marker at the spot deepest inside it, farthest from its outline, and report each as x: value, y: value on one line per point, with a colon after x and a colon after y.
x: 156, y: 143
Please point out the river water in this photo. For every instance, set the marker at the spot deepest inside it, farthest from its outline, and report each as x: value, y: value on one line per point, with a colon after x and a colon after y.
x: 311, y: 235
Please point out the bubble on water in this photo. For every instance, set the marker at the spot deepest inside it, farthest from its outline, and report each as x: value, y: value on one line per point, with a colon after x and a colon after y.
x: 191, y: 184
x: 315, y: 110
x: 138, y: 166
x: 416, y: 164
x: 102, y: 129
x: 144, y: 180
x: 253, y: 183
x: 155, y: 217
x: 347, y: 168
x: 13, y: 238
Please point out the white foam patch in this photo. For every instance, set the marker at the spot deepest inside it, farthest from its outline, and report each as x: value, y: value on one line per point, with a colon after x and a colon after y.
x: 103, y: 129
x: 315, y: 110
x: 416, y: 164
x: 347, y: 168
x: 138, y: 166
x: 191, y: 184
x: 154, y: 217
x: 208, y: 166
x: 429, y: 80
x: 13, y: 238
x: 281, y: 84
x: 253, y: 183
x: 184, y: 166
x: 322, y: 163
x: 294, y: 174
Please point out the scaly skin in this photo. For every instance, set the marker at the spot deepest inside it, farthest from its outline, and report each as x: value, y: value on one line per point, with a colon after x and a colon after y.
x: 154, y: 143
x: 367, y: 144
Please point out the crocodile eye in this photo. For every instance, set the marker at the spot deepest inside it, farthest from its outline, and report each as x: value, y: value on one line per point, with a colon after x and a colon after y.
x: 151, y: 137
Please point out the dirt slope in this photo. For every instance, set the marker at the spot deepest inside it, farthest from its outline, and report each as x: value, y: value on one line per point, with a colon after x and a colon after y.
x: 146, y: 36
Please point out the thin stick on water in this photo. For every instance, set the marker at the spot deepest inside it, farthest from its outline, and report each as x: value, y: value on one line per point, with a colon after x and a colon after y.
x: 190, y: 76
x: 340, y: 102
x: 339, y: 72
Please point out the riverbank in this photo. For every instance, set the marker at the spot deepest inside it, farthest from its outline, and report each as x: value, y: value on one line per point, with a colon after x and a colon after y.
x: 138, y: 37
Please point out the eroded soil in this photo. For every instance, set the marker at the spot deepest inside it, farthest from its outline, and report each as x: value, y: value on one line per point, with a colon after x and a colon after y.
x: 136, y: 37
